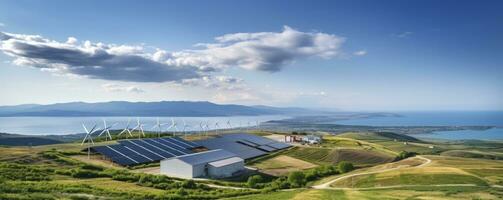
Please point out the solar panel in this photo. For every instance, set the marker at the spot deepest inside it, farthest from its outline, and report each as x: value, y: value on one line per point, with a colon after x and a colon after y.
x: 247, y: 143
x: 279, y: 145
x: 163, y: 146
x: 141, y: 150
x: 138, y: 151
x: 175, y: 144
x: 243, y: 151
x: 266, y: 148
x: 190, y: 143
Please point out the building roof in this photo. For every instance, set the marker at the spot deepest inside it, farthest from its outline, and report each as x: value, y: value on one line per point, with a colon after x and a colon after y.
x: 225, y: 162
x: 204, y: 157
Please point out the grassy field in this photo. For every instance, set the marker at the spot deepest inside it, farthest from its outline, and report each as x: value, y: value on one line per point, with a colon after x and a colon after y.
x: 441, y: 171
x: 433, y: 193
x: 330, y: 156
x: 282, y: 165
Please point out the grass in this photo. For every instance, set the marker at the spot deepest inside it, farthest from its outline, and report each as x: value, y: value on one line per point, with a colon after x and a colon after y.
x: 326, y: 156
x: 444, y: 193
x: 282, y: 165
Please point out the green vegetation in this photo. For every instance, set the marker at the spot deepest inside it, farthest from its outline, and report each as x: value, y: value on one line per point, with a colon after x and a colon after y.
x: 345, y: 167
x: 404, y: 154
x: 61, y: 171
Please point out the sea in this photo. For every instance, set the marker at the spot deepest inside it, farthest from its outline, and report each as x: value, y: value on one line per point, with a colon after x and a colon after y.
x: 452, y: 118
x: 73, y: 125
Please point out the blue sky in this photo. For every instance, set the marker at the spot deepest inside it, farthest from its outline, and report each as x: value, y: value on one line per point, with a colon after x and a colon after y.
x: 386, y: 55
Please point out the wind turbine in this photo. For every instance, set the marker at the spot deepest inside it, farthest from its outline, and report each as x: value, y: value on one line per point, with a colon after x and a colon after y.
x: 201, y: 125
x: 139, y: 127
x: 216, y: 127
x: 229, y: 124
x: 107, y: 130
x: 89, y: 139
x: 185, y: 125
x: 173, y: 125
x: 158, y: 125
x: 207, y: 127
x: 126, y: 130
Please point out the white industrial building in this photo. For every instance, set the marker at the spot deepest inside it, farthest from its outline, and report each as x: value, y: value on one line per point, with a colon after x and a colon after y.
x: 216, y: 163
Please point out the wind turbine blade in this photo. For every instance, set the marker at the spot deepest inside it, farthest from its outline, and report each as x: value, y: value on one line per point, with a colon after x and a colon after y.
x: 92, y: 130
x: 103, y: 131
x: 85, y: 128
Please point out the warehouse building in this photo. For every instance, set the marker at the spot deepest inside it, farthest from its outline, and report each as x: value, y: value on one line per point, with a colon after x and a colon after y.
x: 216, y: 163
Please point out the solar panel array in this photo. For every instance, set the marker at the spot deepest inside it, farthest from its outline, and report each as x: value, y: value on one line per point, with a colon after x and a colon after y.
x: 139, y: 151
x: 244, y: 145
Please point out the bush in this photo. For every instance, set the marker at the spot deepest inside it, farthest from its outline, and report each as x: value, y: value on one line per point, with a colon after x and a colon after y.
x: 404, y: 154
x: 189, y: 184
x: 82, y: 173
x: 253, y: 181
x: 297, y: 179
x: 344, y: 167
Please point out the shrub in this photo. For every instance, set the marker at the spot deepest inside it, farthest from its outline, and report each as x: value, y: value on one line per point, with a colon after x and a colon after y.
x: 404, y: 154
x: 296, y: 179
x: 189, y: 184
x: 253, y: 181
x: 344, y: 167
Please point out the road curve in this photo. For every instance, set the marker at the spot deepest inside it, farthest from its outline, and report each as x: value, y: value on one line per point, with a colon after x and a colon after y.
x: 327, y: 184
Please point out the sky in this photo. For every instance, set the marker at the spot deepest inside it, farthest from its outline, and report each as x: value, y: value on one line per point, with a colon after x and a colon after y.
x: 341, y: 55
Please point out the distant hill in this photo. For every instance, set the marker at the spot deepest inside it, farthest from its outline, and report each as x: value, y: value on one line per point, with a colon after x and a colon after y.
x: 163, y: 108
x: 20, y: 140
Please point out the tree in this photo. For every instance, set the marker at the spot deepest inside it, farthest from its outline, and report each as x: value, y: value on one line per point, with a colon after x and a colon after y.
x: 297, y: 179
x: 344, y: 167
x: 404, y: 154
x: 253, y: 181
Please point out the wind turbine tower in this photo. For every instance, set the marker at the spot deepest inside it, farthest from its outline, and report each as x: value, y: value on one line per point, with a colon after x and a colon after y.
x: 88, y: 139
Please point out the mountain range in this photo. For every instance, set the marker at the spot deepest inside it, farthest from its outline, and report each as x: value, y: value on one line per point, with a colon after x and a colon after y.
x: 162, y: 108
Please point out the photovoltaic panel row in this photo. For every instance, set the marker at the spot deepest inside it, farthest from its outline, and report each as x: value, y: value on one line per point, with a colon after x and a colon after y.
x: 279, y: 145
x: 114, y: 156
x: 266, y: 148
x: 189, y: 143
x: 168, y: 146
x: 248, y: 137
x: 131, y: 152
x: 243, y: 151
x: 247, y: 143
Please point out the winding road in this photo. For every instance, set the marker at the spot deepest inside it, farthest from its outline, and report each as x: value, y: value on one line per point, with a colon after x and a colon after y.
x: 327, y: 184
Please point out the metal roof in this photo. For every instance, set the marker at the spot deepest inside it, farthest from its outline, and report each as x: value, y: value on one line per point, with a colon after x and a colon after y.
x: 225, y: 162
x: 204, y: 157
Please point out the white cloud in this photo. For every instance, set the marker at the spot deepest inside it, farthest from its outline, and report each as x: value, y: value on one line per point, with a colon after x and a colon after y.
x: 2, y: 24
x: 404, y: 34
x: 360, y: 53
x: 92, y: 60
x: 71, y: 40
x: 111, y: 87
x: 262, y: 51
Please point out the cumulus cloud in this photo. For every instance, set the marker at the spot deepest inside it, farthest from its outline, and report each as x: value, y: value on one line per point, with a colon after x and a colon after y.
x: 261, y: 51
x: 222, y: 83
x: 92, y: 60
x: 360, y: 53
x: 111, y: 87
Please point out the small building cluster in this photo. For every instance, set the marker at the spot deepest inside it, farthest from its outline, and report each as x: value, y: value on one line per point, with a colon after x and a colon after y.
x: 304, y: 139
